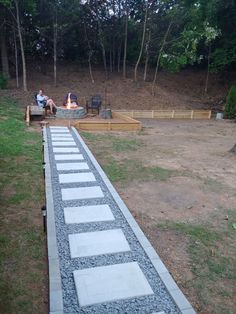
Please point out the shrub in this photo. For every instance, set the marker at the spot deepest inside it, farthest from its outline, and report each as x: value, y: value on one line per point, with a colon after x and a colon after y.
x: 230, y: 106
x: 3, y: 81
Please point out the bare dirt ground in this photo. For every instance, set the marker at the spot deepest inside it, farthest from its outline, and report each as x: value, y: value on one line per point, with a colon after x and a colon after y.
x: 198, y: 149
x: 201, y: 195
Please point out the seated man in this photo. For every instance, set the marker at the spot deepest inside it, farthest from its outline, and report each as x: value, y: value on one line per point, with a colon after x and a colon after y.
x: 73, y: 99
x: 44, y: 101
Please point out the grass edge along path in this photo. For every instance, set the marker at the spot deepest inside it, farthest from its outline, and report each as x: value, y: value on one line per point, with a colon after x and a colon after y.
x: 23, y: 267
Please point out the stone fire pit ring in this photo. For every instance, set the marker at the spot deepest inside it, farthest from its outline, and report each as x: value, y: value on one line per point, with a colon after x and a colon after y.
x: 73, y: 113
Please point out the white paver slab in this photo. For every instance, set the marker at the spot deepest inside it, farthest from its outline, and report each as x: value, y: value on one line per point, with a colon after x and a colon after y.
x: 97, y: 243
x: 65, y: 150
x: 59, y: 131
x: 71, y: 143
x: 59, y: 127
x: 110, y: 283
x: 69, y: 157
x: 84, y: 214
x: 81, y: 193
x: 63, y: 139
x: 61, y: 135
x: 76, y: 177
x: 72, y: 166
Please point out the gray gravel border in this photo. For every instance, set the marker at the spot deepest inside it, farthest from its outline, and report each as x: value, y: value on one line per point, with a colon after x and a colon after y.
x: 175, y: 292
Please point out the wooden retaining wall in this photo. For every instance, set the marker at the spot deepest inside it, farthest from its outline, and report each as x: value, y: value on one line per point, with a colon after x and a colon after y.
x: 119, y: 122
x: 167, y: 114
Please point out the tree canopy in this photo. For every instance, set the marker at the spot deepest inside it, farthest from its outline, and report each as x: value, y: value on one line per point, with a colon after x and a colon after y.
x: 172, y: 34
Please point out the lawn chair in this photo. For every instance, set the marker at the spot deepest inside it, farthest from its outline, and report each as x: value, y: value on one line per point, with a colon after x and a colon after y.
x: 43, y: 102
x: 95, y: 103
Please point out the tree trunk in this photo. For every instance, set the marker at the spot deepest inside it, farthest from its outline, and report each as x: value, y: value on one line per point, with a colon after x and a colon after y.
x: 101, y: 41
x: 118, y: 58
x: 142, y: 43
x: 4, y: 55
x: 208, y: 69
x: 90, y: 53
x: 21, y: 46
x: 111, y: 61
x: 55, y: 48
x: 125, y: 41
x: 16, y: 59
x: 147, y: 56
x: 159, y: 58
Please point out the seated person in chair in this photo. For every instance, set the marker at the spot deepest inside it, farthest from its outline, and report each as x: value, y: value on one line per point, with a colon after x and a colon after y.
x: 44, y: 101
x: 72, y: 98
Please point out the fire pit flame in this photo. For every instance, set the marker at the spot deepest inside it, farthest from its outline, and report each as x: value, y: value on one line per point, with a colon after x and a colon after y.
x: 68, y: 106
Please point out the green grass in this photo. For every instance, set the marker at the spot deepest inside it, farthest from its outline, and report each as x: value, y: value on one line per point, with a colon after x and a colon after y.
x: 213, y: 260
x: 22, y: 242
x: 129, y: 170
x: 112, y: 142
x: 109, y: 149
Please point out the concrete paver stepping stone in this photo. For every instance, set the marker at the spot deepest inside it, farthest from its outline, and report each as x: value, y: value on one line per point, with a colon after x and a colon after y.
x: 69, y: 157
x: 110, y: 283
x: 72, y: 166
x: 59, y: 127
x: 54, y: 131
x: 85, y: 214
x: 63, y: 139
x: 97, y: 243
x: 76, y: 177
x: 81, y: 193
x: 61, y: 135
x: 71, y: 143
x: 65, y: 150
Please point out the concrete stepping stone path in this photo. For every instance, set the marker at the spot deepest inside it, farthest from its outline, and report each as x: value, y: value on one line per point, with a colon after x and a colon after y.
x: 99, y: 259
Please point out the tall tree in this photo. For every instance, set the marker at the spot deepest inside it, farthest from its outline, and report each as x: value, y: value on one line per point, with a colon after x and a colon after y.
x: 125, y: 37
x: 142, y: 42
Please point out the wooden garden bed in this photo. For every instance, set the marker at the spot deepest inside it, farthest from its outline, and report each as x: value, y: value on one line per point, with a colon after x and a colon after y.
x: 167, y: 114
x: 119, y: 122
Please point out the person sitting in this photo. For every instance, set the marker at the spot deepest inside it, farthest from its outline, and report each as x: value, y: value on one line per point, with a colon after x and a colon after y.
x: 44, y: 101
x: 72, y: 98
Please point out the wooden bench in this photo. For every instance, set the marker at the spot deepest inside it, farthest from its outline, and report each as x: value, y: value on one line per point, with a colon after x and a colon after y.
x: 33, y: 111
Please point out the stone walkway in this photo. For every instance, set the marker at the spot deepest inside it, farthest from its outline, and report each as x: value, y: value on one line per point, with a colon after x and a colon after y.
x: 99, y: 259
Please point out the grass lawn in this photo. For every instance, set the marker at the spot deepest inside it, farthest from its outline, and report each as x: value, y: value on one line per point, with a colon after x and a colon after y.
x: 23, y: 266
x: 210, y: 244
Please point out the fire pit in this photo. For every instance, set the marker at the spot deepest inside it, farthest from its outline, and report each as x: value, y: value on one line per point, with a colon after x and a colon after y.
x: 70, y: 111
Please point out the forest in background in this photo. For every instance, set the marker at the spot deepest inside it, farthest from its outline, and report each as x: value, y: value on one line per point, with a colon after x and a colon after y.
x: 143, y: 34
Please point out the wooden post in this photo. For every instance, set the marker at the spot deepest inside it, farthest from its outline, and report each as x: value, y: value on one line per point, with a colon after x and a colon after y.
x: 173, y: 114
x: 152, y: 114
x: 209, y: 115
x: 28, y: 115
x: 192, y: 112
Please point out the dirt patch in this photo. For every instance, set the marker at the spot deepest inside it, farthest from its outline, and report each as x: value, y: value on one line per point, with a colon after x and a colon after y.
x: 179, y: 199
